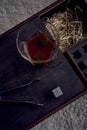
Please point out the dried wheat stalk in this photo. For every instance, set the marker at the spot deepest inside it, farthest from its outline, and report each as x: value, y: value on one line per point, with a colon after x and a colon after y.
x: 70, y: 31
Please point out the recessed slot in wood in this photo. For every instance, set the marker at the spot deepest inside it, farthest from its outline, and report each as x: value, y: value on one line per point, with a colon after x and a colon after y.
x: 85, y: 74
x: 77, y: 54
x: 82, y: 66
x: 85, y: 48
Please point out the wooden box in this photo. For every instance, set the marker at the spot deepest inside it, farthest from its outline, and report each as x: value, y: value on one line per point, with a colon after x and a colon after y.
x: 15, y: 112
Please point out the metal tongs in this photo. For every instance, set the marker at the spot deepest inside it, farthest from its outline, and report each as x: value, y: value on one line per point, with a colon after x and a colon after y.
x: 18, y: 87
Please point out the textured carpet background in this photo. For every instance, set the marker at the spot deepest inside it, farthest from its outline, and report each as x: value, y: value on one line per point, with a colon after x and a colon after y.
x: 72, y: 117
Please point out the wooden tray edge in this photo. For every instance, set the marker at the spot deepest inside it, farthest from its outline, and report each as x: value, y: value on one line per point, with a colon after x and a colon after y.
x: 57, y: 109
x: 46, y: 9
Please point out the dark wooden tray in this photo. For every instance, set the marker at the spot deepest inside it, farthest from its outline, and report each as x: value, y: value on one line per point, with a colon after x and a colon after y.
x: 14, y: 71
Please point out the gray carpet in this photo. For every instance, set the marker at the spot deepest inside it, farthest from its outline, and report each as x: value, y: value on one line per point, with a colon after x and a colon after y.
x: 72, y: 117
